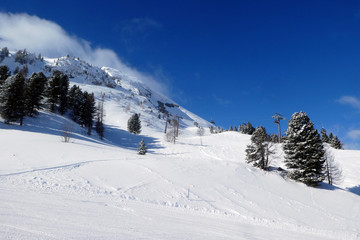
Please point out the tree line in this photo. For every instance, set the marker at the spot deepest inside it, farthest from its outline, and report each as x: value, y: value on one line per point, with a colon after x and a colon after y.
x: 21, y: 97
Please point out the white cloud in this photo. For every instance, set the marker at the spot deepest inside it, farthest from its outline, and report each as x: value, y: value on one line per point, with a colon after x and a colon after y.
x: 350, y: 100
x: 22, y: 31
x: 354, y: 134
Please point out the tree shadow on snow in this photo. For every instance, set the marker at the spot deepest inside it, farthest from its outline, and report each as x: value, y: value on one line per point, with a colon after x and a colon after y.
x: 53, y: 124
x: 121, y: 138
x: 355, y: 190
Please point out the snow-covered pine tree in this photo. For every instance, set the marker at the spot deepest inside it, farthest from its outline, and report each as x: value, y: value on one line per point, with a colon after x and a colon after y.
x: 12, y: 99
x: 134, y: 124
x: 230, y: 128
x: 324, y: 136
x: 304, y: 150
x: 335, y: 143
x: 142, y: 148
x: 34, y: 93
x: 331, y: 137
x: 259, y: 150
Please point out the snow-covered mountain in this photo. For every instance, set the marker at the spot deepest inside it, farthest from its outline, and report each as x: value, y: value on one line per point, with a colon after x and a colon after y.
x: 198, y: 188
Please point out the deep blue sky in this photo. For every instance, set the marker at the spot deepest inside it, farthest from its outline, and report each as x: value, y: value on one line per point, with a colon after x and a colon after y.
x: 232, y: 61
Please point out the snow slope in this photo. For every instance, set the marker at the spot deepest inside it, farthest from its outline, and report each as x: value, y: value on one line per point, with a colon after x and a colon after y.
x: 198, y: 188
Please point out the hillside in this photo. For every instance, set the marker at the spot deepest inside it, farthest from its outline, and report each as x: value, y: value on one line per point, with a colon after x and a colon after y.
x: 197, y: 188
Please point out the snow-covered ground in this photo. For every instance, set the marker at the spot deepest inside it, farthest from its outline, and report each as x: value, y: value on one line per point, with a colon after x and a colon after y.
x: 198, y: 188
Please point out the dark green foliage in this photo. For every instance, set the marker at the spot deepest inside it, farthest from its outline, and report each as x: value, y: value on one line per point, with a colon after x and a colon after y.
x: 304, y: 153
x: 34, y: 93
x: 259, y: 150
x: 134, y: 124
x: 142, y: 148
x: 324, y: 136
x: 246, y: 128
x: 100, y: 117
x: 335, y: 143
x: 12, y: 101
x: 87, y: 111
x: 75, y: 99
x: 57, y: 92
x: 4, y: 74
x: 230, y: 128
x: 235, y: 129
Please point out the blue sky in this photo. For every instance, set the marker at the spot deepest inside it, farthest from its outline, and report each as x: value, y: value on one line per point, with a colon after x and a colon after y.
x: 231, y: 61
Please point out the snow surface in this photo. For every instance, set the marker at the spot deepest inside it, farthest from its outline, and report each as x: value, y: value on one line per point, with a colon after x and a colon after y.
x: 198, y: 188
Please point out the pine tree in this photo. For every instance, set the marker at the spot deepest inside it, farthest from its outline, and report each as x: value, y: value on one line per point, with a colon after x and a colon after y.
x: 230, y: 128
x: 100, y: 117
x: 259, y: 150
x: 142, y: 148
x: 12, y: 100
x: 4, y: 74
x: 331, y: 137
x: 4, y: 52
x: 75, y: 100
x: 34, y: 93
x: 335, y: 143
x: 57, y: 91
x: 324, y: 136
x: 87, y: 111
x: 304, y: 150
x: 235, y: 129
x: 134, y: 124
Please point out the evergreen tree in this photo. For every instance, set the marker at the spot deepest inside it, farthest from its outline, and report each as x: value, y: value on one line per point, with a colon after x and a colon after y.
x: 87, y: 111
x: 75, y: 100
x: 142, y: 148
x: 324, y: 136
x: 21, y: 56
x: 335, y: 143
x: 259, y: 150
x: 57, y: 91
x: 100, y: 117
x: 230, y: 128
x: 12, y: 101
x: 304, y: 150
x: 331, y: 137
x: 4, y: 74
x: 235, y: 129
x: 134, y: 124
x: 34, y: 93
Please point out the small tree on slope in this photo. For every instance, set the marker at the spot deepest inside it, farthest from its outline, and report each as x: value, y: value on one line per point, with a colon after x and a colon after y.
x: 134, y: 124
x: 142, y: 148
x: 259, y: 150
x: 304, y: 153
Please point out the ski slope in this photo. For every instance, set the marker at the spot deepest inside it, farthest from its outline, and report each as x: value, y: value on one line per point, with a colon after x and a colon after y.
x: 89, y: 189
x: 198, y: 188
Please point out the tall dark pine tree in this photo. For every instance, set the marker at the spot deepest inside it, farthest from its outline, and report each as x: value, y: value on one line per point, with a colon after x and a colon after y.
x: 134, y: 124
x: 12, y: 101
x: 259, y: 150
x: 304, y: 153
x: 87, y: 111
x: 4, y: 74
x: 324, y: 136
x: 34, y: 93
x: 100, y: 117
x: 57, y: 91
x: 75, y: 100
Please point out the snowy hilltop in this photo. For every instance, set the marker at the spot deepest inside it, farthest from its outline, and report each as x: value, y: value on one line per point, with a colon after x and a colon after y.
x: 60, y: 181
